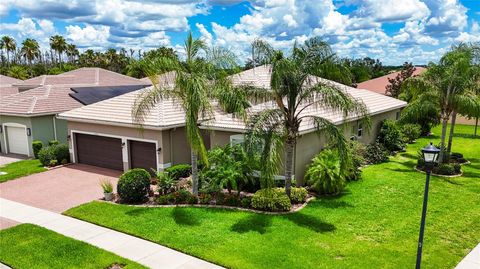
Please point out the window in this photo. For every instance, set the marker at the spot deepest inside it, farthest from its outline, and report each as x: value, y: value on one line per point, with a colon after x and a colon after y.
x: 359, y: 130
x: 237, y: 139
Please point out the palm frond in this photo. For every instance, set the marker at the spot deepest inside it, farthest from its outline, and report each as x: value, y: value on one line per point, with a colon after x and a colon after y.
x: 335, y: 137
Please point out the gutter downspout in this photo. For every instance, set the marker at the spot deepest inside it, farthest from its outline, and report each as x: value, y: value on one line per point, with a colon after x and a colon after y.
x: 54, y: 128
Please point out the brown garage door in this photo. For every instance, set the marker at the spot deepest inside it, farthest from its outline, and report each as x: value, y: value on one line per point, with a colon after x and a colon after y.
x: 99, y: 151
x: 143, y: 155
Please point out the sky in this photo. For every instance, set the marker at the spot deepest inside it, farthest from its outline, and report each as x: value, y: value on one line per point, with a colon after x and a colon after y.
x: 393, y: 31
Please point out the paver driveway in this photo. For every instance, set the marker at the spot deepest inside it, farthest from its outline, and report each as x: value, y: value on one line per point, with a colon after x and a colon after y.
x: 59, y: 189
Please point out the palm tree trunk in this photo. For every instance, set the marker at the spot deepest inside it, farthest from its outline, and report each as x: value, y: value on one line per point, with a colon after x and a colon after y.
x: 194, y: 173
x: 289, y: 156
x: 442, y: 139
x: 450, y: 137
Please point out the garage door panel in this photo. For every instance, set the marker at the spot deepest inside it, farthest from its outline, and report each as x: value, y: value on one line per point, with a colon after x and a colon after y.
x: 99, y: 151
x: 17, y: 140
x: 143, y: 155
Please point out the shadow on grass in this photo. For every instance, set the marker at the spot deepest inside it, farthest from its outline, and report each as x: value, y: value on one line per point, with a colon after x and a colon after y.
x: 452, y: 180
x: 469, y: 136
x: 471, y: 174
x: 332, y: 202
x: 181, y: 216
x: 254, y: 223
x: 313, y: 223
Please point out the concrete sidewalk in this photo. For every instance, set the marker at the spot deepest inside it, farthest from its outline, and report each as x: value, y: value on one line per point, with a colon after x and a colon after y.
x: 472, y: 260
x: 130, y: 247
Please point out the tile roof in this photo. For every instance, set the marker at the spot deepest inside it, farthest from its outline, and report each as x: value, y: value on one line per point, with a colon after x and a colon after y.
x: 50, y: 93
x: 379, y: 84
x: 6, y: 87
x: 376, y: 103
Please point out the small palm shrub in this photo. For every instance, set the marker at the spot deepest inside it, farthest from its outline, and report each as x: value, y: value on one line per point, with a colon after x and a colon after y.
x: 324, y: 175
x: 133, y: 185
x: 376, y: 153
x: 271, y: 200
x: 298, y: 195
x: 179, y: 171
x: 391, y: 136
x: 356, y: 155
x: 37, y: 145
x: 165, y: 182
x: 411, y: 132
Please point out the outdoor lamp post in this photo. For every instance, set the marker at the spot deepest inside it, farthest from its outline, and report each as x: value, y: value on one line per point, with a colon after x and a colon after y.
x: 430, y: 154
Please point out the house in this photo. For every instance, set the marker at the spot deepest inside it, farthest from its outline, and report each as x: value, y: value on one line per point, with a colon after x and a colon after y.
x: 6, y: 85
x: 379, y: 85
x: 226, y: 128
x: 119, y: 143
x: 29, y: 114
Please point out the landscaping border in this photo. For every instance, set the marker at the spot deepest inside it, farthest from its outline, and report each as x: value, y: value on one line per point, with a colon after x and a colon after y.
x: 219, y: 206
x: 433, y: 174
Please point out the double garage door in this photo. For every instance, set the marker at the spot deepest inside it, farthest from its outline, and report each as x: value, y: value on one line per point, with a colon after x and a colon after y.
x: 106, y: 152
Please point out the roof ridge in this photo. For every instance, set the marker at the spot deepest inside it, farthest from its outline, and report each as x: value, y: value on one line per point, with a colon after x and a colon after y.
x: 32, y: 106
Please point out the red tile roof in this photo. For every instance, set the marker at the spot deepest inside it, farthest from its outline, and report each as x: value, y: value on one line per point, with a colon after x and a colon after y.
x: 50, y: 93
x: 379, y: 84
x: 6, y: 87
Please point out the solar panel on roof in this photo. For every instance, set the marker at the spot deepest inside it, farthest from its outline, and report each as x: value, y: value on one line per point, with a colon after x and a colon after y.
x: 91, y: 95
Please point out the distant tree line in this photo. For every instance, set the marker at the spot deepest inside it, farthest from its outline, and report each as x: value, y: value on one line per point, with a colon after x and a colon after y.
x: 28, y: 60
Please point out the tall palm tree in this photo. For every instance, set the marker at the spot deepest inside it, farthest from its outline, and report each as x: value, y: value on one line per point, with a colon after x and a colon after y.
x: 196, y: 84
x: 59, y: 45
x: 8, y: 44
x: 72, y: 52
x: 295, y: 89
x: 446, y: 86
x: 30, y: 50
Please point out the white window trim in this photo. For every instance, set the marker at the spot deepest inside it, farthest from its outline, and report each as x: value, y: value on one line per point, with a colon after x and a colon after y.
x: 125, y: 151
x: 237, y: 139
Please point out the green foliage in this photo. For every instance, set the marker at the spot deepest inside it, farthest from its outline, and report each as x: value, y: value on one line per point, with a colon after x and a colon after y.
x: 376, y: 153
x: 37, y: 145
x: 165, y: 199
x: 324, y: 175
x: 246, y: 202
x: 356, y: 155
x: 298, y: 195
x: 179, y: 171
x: 55, y: 152
x: 457, y: 168
x: 106, y: 185
x: 165, y: 182
x: 53, y: 163
x: 133, y: 185
x: 231, y: 200
x: 53, y: 142
x: 444, y: 169
x: 230, y: 168
x: 391, y: 136
x: 17, y: 71
x: 411, y: 132
x: 204, y: 198
x: 271, y: 200
x: 184, y: 197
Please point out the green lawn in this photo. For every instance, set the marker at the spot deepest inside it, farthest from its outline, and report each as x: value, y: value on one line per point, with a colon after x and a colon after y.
x: 30, y: 246
x: 374, y: 224
x: 21, y: 169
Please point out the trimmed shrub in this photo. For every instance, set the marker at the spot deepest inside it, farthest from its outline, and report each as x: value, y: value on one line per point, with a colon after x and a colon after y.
x: 271, y: 200
x: 37, y: 145
x: 376, y: 153
x: 411, y: 132
x: 391, y: 136
x: 62, y: 152
x: 246, y: 202
x: 298, y: 195
x: 53, y: 142
x: 184, y: 197
x: 231, y: 200
x: 133, y: 185
x: 165, y: 199
x: 53, y: 163
x: 179, y: 171
x: 444, y: 169
x: 457, y: 168
x: 324, y: 175
x: 46, y: 154
x: 204, y: 198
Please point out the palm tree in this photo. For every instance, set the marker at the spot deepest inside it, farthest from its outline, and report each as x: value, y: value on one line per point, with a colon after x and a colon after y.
x: 295, y: 90
x: 196, y: 85
x: 72, y: 52
x: 58, y: 44
x: 448, y: 87
x: 8, y: 44
x: 30, y: 50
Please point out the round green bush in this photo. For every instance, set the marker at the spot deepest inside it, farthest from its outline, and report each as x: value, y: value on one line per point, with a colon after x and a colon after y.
x: 298, y: 195
x: 390, y: 136
x: 246, y: 202
x: 271, y: 200
x: 376, y: 153
x: 133, y: 185
x: 46, y: 155
x: 411, y: 132
x: 179, y: 171
x: 325, y: 175
x: 37, y: 145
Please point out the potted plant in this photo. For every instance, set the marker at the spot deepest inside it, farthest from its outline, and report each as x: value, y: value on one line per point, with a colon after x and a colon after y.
x: 107, y: 189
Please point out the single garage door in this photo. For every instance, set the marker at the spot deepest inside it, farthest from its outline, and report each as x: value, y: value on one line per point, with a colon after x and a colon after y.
x: 17, y: 140
x: 99, y: 151
x: 143, y: 155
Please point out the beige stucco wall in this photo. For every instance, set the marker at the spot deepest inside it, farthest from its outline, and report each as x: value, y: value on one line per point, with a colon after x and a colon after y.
x: 463, y: 120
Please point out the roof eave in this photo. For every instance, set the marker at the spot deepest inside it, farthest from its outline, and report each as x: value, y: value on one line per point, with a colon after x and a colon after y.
x: 119, y: 124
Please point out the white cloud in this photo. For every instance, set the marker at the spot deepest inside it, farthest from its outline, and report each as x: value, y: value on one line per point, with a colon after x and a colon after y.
x: 89, y: 36
x: 206, y: 35
x: 391, y: 10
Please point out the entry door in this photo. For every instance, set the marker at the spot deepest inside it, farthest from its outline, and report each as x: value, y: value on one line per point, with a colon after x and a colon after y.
x: 17, y: 140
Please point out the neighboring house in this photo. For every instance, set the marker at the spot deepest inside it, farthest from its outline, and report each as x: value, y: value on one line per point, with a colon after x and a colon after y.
x: 6, y: 85
x: 119, y: 143
x: 30, y: 114
x: 228, y: 129
x: 379, y: 85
